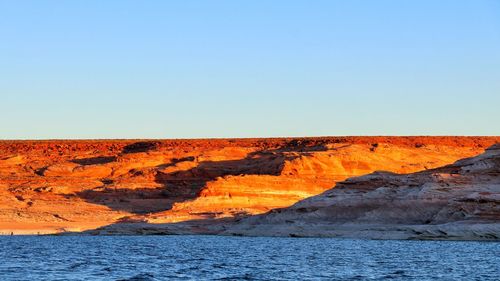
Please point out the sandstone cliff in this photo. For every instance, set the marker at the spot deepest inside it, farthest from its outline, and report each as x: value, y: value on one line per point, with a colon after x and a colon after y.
x: 58, y: 186
x: 458, y: 201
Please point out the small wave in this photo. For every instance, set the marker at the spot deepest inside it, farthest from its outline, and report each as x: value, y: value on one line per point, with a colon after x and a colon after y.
x: 140, y: 277
x: 77, y: 265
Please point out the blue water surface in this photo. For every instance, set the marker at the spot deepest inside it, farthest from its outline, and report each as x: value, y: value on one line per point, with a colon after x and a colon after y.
x: 242, y: 258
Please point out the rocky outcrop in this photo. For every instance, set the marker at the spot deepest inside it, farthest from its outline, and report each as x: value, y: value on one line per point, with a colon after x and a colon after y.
x: 57, y: 186
x: 458, y: 201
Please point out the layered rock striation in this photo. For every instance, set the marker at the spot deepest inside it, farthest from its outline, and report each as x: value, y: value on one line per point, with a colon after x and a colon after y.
x: 457, y: 201
x: 59, y: 186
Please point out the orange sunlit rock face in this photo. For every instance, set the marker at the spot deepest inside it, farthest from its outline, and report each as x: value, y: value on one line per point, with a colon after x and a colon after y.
x: 55, y: 186
x: 453, y: 202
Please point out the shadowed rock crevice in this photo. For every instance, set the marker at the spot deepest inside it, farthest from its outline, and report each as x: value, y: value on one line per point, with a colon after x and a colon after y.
x: 143, y: 146
x: 94, y: 160
x: 137, y: 201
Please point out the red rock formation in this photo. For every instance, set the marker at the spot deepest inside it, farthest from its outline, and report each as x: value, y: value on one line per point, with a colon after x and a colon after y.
x: 53, y: 186
x: 458, y: 201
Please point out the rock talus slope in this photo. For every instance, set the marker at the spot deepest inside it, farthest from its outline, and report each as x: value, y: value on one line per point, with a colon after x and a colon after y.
x: 458, y: 201
x: 58, y: 186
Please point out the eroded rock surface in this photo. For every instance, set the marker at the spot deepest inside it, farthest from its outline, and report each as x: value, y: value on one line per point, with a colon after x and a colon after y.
x: 458, y: 201
x: 58, y: 186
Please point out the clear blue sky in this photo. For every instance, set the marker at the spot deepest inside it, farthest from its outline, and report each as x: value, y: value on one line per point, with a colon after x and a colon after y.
x: 183, y: 69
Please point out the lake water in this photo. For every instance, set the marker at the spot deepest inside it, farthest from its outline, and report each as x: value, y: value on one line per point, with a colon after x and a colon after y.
x: 242, y: 258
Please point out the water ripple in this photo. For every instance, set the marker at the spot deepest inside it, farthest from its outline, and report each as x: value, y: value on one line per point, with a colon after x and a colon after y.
x: 242, y: 258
